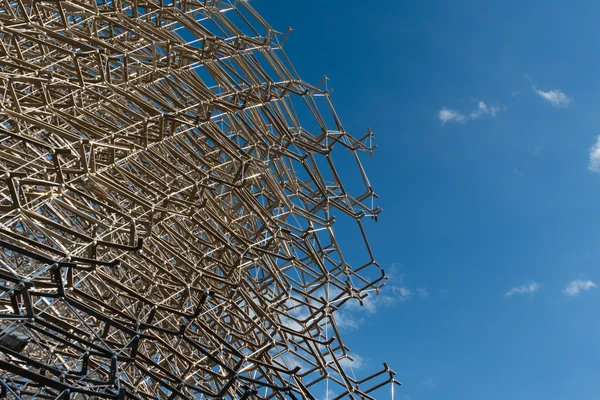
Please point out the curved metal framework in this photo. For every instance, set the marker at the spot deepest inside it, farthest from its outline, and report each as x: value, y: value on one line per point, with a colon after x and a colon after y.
x: 166, y: 220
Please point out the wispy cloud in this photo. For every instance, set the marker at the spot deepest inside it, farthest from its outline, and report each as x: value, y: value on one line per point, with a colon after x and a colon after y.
x: 352, y: 315
x: 395, y: 292
x: 594, y: 164
x: 448, y: 115
x: 402, y: 293
x: 534, y: 150
x: 354, y: 361
x: 525, y: 289
x: 574, y: 288
x: 517, y: 172
x: 347, y: 321
x: 428, y: 383
x: 483, y: 109
x: 389, y: 296
x: 556, y: 97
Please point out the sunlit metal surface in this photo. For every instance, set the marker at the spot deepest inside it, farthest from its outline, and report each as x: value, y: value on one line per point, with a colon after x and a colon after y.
x: 167, y: 208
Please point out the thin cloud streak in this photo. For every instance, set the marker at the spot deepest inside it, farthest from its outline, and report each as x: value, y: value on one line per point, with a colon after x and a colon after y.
x: 574, y: 288
x: 448, y: 115
x: 556, y: 97
x: 525, y: 289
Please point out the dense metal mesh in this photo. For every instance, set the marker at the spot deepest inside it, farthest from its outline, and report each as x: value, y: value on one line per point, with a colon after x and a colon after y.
x: 166, y: 219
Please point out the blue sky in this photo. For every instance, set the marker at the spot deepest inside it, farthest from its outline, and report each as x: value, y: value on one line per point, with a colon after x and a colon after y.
x: 486, y: 116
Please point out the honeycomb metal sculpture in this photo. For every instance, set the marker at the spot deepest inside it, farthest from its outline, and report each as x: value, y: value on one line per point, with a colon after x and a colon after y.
x: 166, y: 222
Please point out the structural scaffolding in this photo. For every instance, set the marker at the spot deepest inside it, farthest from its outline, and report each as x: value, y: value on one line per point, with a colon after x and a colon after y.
x: 166, y: 219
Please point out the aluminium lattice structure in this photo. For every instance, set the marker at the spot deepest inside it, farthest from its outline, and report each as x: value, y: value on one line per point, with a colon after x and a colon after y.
x: 166, y: 219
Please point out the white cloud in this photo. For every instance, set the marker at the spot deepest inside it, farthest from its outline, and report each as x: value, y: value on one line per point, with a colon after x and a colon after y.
x: 447, y: 115
x: 352, y: 315
x: 357, y: 362
x: 556, y: 97
x: 369, y: 303
x: 402, y: 293
x: 574, y: 288
x: 347, y: 321
x: 389, y: 296
x: 482, y: 109
x: 594, y: 164
x: 531, y: 288
x: 394, y: 274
